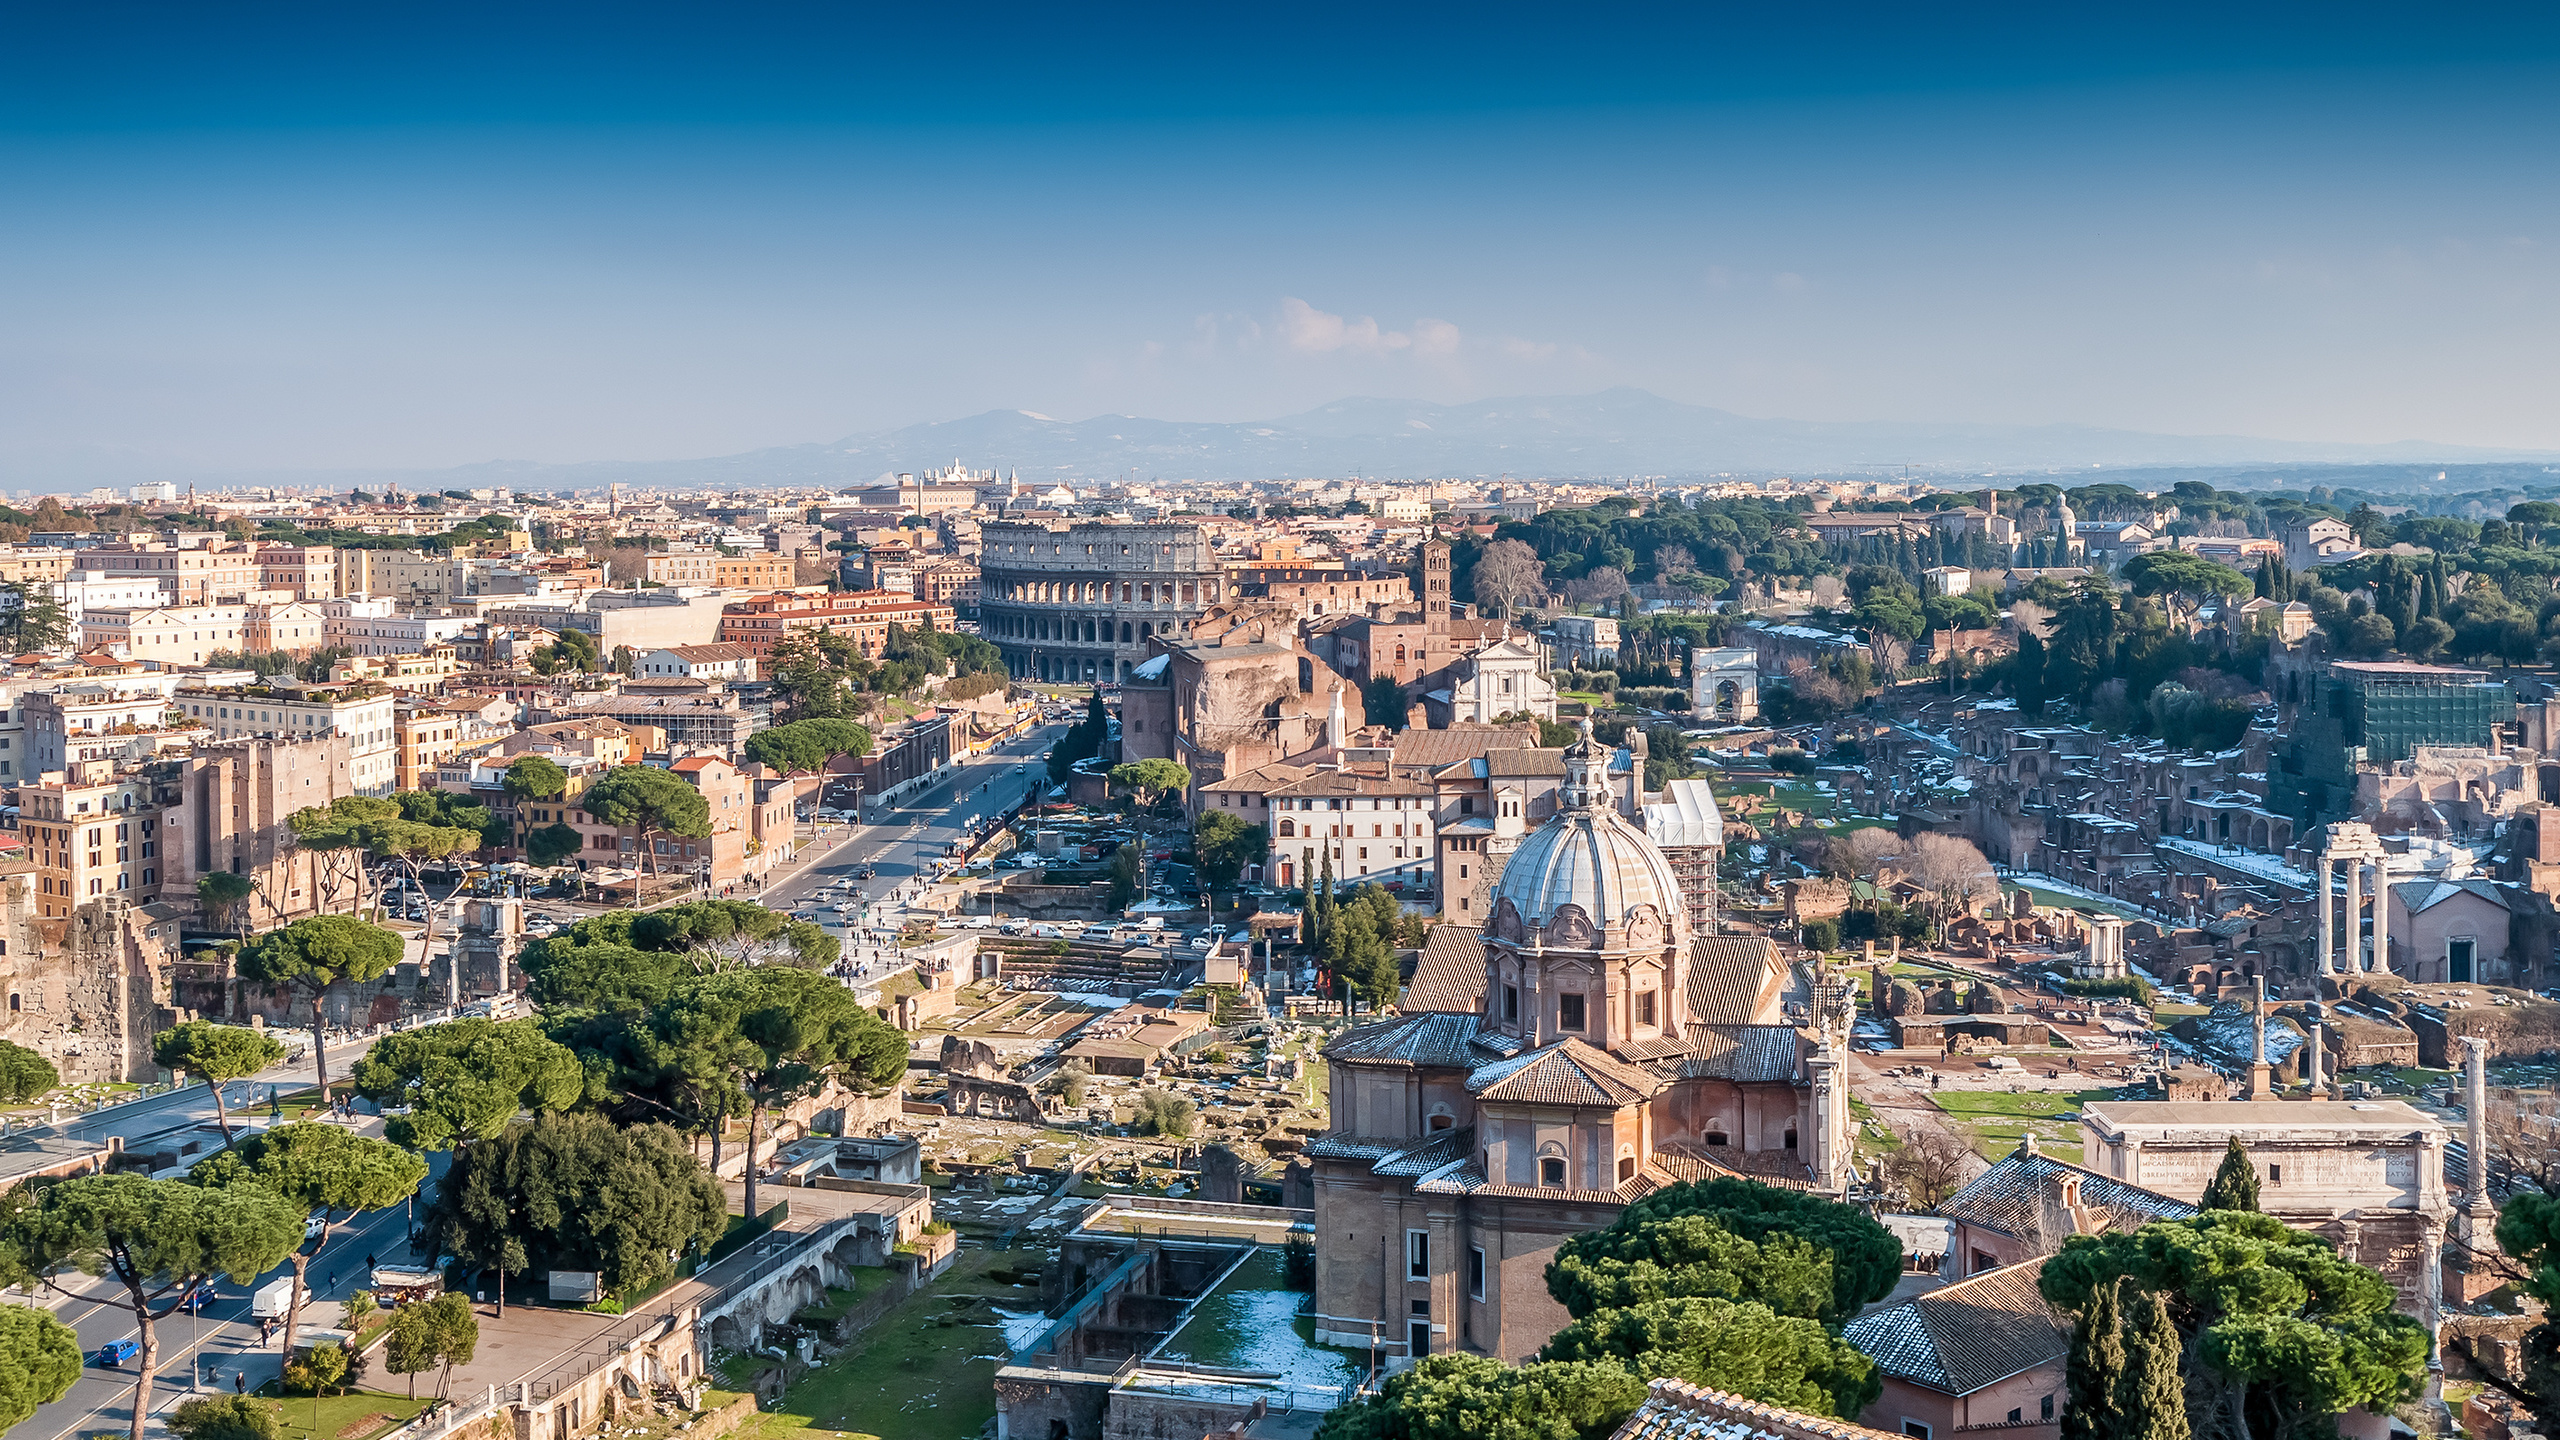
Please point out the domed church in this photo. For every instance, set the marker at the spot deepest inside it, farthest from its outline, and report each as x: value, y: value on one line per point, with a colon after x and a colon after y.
x: 1607, y: 1053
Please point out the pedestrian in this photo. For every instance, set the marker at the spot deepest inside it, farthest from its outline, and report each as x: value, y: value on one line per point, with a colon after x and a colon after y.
x: 371, y: 1263
x: 240, y: 1381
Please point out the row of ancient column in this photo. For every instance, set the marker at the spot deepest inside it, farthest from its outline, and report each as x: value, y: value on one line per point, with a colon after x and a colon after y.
x: 2344, y: 953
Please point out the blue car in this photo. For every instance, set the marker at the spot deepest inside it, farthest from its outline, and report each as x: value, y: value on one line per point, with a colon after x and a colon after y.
x: 116, y: 1352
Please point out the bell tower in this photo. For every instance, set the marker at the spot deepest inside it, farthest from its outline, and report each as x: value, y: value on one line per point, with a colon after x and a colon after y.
x: 1435, y: 597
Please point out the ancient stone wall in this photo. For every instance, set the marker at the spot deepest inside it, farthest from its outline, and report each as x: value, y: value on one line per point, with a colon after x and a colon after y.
x: 87, y: 992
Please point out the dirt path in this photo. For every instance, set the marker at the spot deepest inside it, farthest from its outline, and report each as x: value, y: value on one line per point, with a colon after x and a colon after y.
x: 1904, y: 1110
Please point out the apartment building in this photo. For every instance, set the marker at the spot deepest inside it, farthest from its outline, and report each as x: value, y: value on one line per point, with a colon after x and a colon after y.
x: 412, y: 674
x: 696, y: 718
x: 363, y: 714
x: 755, y: 570
x: 91, y: 832
x: 76, y: 723
x: 426, y: 736
x: 1377, y: 828
x: 952, y: 582
x: 294, y: 627
x: 863, y: 617
x: 718, y: 859
x: 82, y: 591
x: 34, y: 564
x: 168, y: 637
x: 366, y: 634
x: 700, y: 662
x: 689, y: 566
x: 188, y: 574
x: 309, y: 571
x: 607, y: 742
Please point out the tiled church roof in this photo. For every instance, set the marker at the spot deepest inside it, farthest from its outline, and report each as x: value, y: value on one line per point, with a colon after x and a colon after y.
x: 1962, y: 1337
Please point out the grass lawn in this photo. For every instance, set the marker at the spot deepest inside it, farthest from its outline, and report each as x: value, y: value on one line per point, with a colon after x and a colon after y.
x: 355, y: 1416
x: 926, y: 1371
x: 2076, y: 902
x: 1998, y: 1120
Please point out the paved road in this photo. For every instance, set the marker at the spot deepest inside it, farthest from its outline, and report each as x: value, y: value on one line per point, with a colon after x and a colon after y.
x: 904, y: 839
x: 222, y: 1338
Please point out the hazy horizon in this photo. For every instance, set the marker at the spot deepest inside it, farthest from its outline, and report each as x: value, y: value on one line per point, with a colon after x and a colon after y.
x: 308, y: 238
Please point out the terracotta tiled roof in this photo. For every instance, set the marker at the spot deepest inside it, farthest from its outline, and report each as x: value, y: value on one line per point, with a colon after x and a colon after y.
x: 1449, y: 977
x: 1428, y: 1040
x: 1737, y: 980
x: 1350, y: 782
x: 1262, y: 781
x: 1678, y: 1410
x: 2015, y: 1194
x: 1961, y: 1338
x: 1440, y: 1151
x: 1566, y: 1073
x: 1739, y: 1052
x: 1437, y: 748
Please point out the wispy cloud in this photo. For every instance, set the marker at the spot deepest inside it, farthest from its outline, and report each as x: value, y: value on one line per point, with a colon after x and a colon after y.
x: 1305, y: 328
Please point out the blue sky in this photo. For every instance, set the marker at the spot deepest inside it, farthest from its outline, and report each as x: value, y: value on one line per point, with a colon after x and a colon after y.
x: 333, y: 236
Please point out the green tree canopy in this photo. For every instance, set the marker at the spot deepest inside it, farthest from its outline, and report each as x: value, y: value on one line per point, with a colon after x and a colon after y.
x: 651, y: 801
x: 730, y: 934
x: 24, y: 1074
x: 322, y: 1170
x: 2235, y: 1181
x: 1738, y: 1346
x: 779, y: 1034
x: 39, y: 1358
x: 339, y: 831
x: 1225, y: 845
x: 535, y: 777
x: 1383, y: 702
x: 153, y: 1239
x: 595, y: 963
x: 577, y: 1192
x: 1731, y: 1239
x: 224, y: 1417
x: 314, y: 956
x: 1474, y: 1397
x: 2093, y: 1373
x: 218, y: 1053
x: 466, y: 1079
x: 440, y: 1332
x: 2279, y: 1334
x: 2529, y: 1232
x: 1150, y: 780
x: 225, y: 894
x: 553, y: 844
x: 2182, y: 572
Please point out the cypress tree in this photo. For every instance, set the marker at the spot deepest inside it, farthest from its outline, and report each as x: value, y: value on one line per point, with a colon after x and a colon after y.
x: 2094, y: 1373
x: 2235, y: 1185
x: 2151, y: 1400
x: 1323, y: 908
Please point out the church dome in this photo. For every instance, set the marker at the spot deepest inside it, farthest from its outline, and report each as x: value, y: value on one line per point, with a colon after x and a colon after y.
x: 1587, y: 857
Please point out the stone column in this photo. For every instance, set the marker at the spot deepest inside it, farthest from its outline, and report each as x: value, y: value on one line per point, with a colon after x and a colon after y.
x: 2314, y: 1056
x: 2328, y: 919
x: 2354, y: 929
x: 2381, y: 916
x: 2475, y: 1114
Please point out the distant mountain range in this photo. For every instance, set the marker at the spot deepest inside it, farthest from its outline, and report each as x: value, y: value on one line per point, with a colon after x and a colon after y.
x: 1616, y: 433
